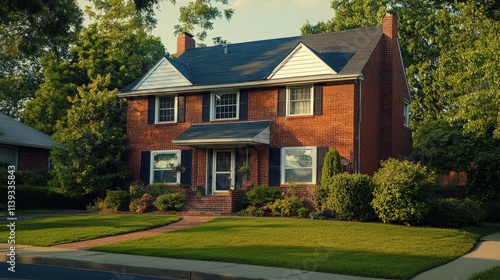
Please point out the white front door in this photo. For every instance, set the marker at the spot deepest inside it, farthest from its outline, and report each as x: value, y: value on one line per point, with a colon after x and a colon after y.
x: 223, y: 170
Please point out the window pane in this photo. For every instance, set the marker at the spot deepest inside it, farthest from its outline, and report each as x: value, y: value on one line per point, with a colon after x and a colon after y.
x: 298, y: 175
x: 300, y: 101
x: 298, y: 158
x: 166, y: 109
x: 223, y: 163
x: 165, y: 161
x: 7, y: 155
x: 164, y: 176
x: 225, y: 106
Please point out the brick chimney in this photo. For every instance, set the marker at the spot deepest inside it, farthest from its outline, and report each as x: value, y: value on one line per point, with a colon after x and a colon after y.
x: 185, y: 42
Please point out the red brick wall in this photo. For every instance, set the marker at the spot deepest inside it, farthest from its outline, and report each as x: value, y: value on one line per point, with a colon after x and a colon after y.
x: 32, y: 158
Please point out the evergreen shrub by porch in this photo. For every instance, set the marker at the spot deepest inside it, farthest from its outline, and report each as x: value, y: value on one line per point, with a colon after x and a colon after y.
x: 170, y: 202
x: 116, y: 200
x: 454, y: 213
x: 137, y: 189
x: 403, y: 191
x: 303, y: 212
x: 349, y: 197
x: 260, y: 196
x: 157, y: 189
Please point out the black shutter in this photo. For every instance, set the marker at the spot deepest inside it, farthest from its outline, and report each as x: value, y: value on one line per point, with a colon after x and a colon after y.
x: 181, y: 108
x: 318, y: 99
x: 145, y: 169
x: 151, y: 109
x: 186, y: 161
x: 206, y: 107
x: 282, y: 101
x: 274, y: 166
x: 320, y: 158
x: 244, y: 104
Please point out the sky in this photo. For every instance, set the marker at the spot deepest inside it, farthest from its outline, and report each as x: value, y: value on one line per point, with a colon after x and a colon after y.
x: 252, y: 20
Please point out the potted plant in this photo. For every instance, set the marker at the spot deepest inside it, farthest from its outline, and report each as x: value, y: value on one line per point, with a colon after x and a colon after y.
x: 244, y: 171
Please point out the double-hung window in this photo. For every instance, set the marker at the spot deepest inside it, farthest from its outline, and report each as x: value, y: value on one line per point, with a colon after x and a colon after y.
x: 162, y: 164
x: 298, y: 165
x: 225, y: 106
x: 300, y: 100
x: 166, y: 109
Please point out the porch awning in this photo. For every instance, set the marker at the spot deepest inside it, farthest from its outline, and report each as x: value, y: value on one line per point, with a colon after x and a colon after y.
x: 233, y: 133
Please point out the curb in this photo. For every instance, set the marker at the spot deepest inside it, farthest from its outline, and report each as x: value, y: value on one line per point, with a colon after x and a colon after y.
x: 118, y: 268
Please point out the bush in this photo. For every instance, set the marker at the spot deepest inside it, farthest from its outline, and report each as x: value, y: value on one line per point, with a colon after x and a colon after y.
x: 116, y: 200
x: 137, y: 189
x: 170, y: 202
x: 143, y: 204
x: 39, y: 177
x: 287, y: 207
x: 454, y: 213
x: 320, y: 195
x: 317, y: 215
x: 332, y: 165
x: 303, y: 212
x: 158, y: 189
x: 260, y: 196
x: 349, y: 197
x: 403, y: 191
x: 492, y: 211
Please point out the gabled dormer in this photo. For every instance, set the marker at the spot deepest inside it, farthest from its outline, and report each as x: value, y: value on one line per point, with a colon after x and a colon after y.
x: 165, y: 74
x: 301, y: 62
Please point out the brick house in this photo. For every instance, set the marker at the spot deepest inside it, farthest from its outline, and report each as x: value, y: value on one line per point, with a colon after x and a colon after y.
x: 23, y: 146
x: 276, y: 104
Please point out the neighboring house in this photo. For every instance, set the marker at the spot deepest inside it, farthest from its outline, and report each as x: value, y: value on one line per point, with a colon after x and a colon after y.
x: 277, y: 104
x: 23, y: 146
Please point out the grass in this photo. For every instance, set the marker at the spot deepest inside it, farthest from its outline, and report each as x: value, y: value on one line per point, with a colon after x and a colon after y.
x: 34, y: 210
x: 48, y: 231
x: 490, y: 274
x: 362, y: 249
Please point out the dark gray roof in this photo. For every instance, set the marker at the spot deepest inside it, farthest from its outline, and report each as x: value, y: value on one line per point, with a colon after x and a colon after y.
x: 15, y: 133
x: 346, y: 52
x: 250, y: 132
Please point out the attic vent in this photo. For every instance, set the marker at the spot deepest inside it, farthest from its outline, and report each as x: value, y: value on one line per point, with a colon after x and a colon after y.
x: 225, y: 46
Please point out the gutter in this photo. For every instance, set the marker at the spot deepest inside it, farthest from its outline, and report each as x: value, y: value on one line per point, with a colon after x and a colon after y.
x: 260, y: 83
x: 360, y: 114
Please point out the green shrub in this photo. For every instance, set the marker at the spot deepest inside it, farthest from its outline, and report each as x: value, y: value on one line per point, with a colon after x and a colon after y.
x: 320, y: 196
x: 287, y: 207
x: 320, y: 215
x: 143, y: 204
x: 303, y: 212
x: 261, y: 195
x: 39, y: 177
x: 158, y: 189
x: 137, y: 189
x: 116, y: 200
x: 454, y: 213
x: 492, y: 211
x: 349, y: 197
x: 332, y: 165
x: 170, y: 202
x: 403, y: 191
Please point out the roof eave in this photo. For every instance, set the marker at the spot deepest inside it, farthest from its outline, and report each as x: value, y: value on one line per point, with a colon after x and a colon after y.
x: 225, y: 141
x: 260, y: 83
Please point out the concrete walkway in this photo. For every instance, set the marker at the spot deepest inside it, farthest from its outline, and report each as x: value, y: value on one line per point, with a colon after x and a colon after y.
x: 484, y: 256
x: 74, y: 255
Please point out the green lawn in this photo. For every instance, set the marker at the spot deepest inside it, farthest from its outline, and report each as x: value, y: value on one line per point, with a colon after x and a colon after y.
x: 363, y: 249
x: 490, y: 274
x: 60, y: 229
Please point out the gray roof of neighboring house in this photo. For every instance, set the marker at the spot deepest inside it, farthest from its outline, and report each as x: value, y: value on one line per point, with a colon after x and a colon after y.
x: 13, y: 132
x: 346, y: 52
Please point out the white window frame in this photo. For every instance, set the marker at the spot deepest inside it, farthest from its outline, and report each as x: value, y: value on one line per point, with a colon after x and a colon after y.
x: 15, y: 151
x: 406, y: 113
x: 284, y: 168
x: 152, y: 165
x: 212, y: 105
x: 288, y: 100
x: 157, y: 109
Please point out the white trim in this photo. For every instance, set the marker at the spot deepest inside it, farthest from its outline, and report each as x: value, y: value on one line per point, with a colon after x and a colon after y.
x: 253, y: 84
x: 231, y: 170
x: 314, y: 163
x: 311, y: 91
x: 406, y: 113
x: 212, y: 105
x: 162, y: 60
x: 152, y: 169
x: 157, y: 108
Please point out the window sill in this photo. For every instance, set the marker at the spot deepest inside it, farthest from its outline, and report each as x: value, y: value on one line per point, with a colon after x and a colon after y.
x: 301, y: 117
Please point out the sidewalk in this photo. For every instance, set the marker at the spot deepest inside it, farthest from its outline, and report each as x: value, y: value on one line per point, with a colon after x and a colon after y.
x: 484, y: 256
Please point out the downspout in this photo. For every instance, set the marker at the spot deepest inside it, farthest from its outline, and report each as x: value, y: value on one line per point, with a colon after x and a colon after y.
x: 360, y: 113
